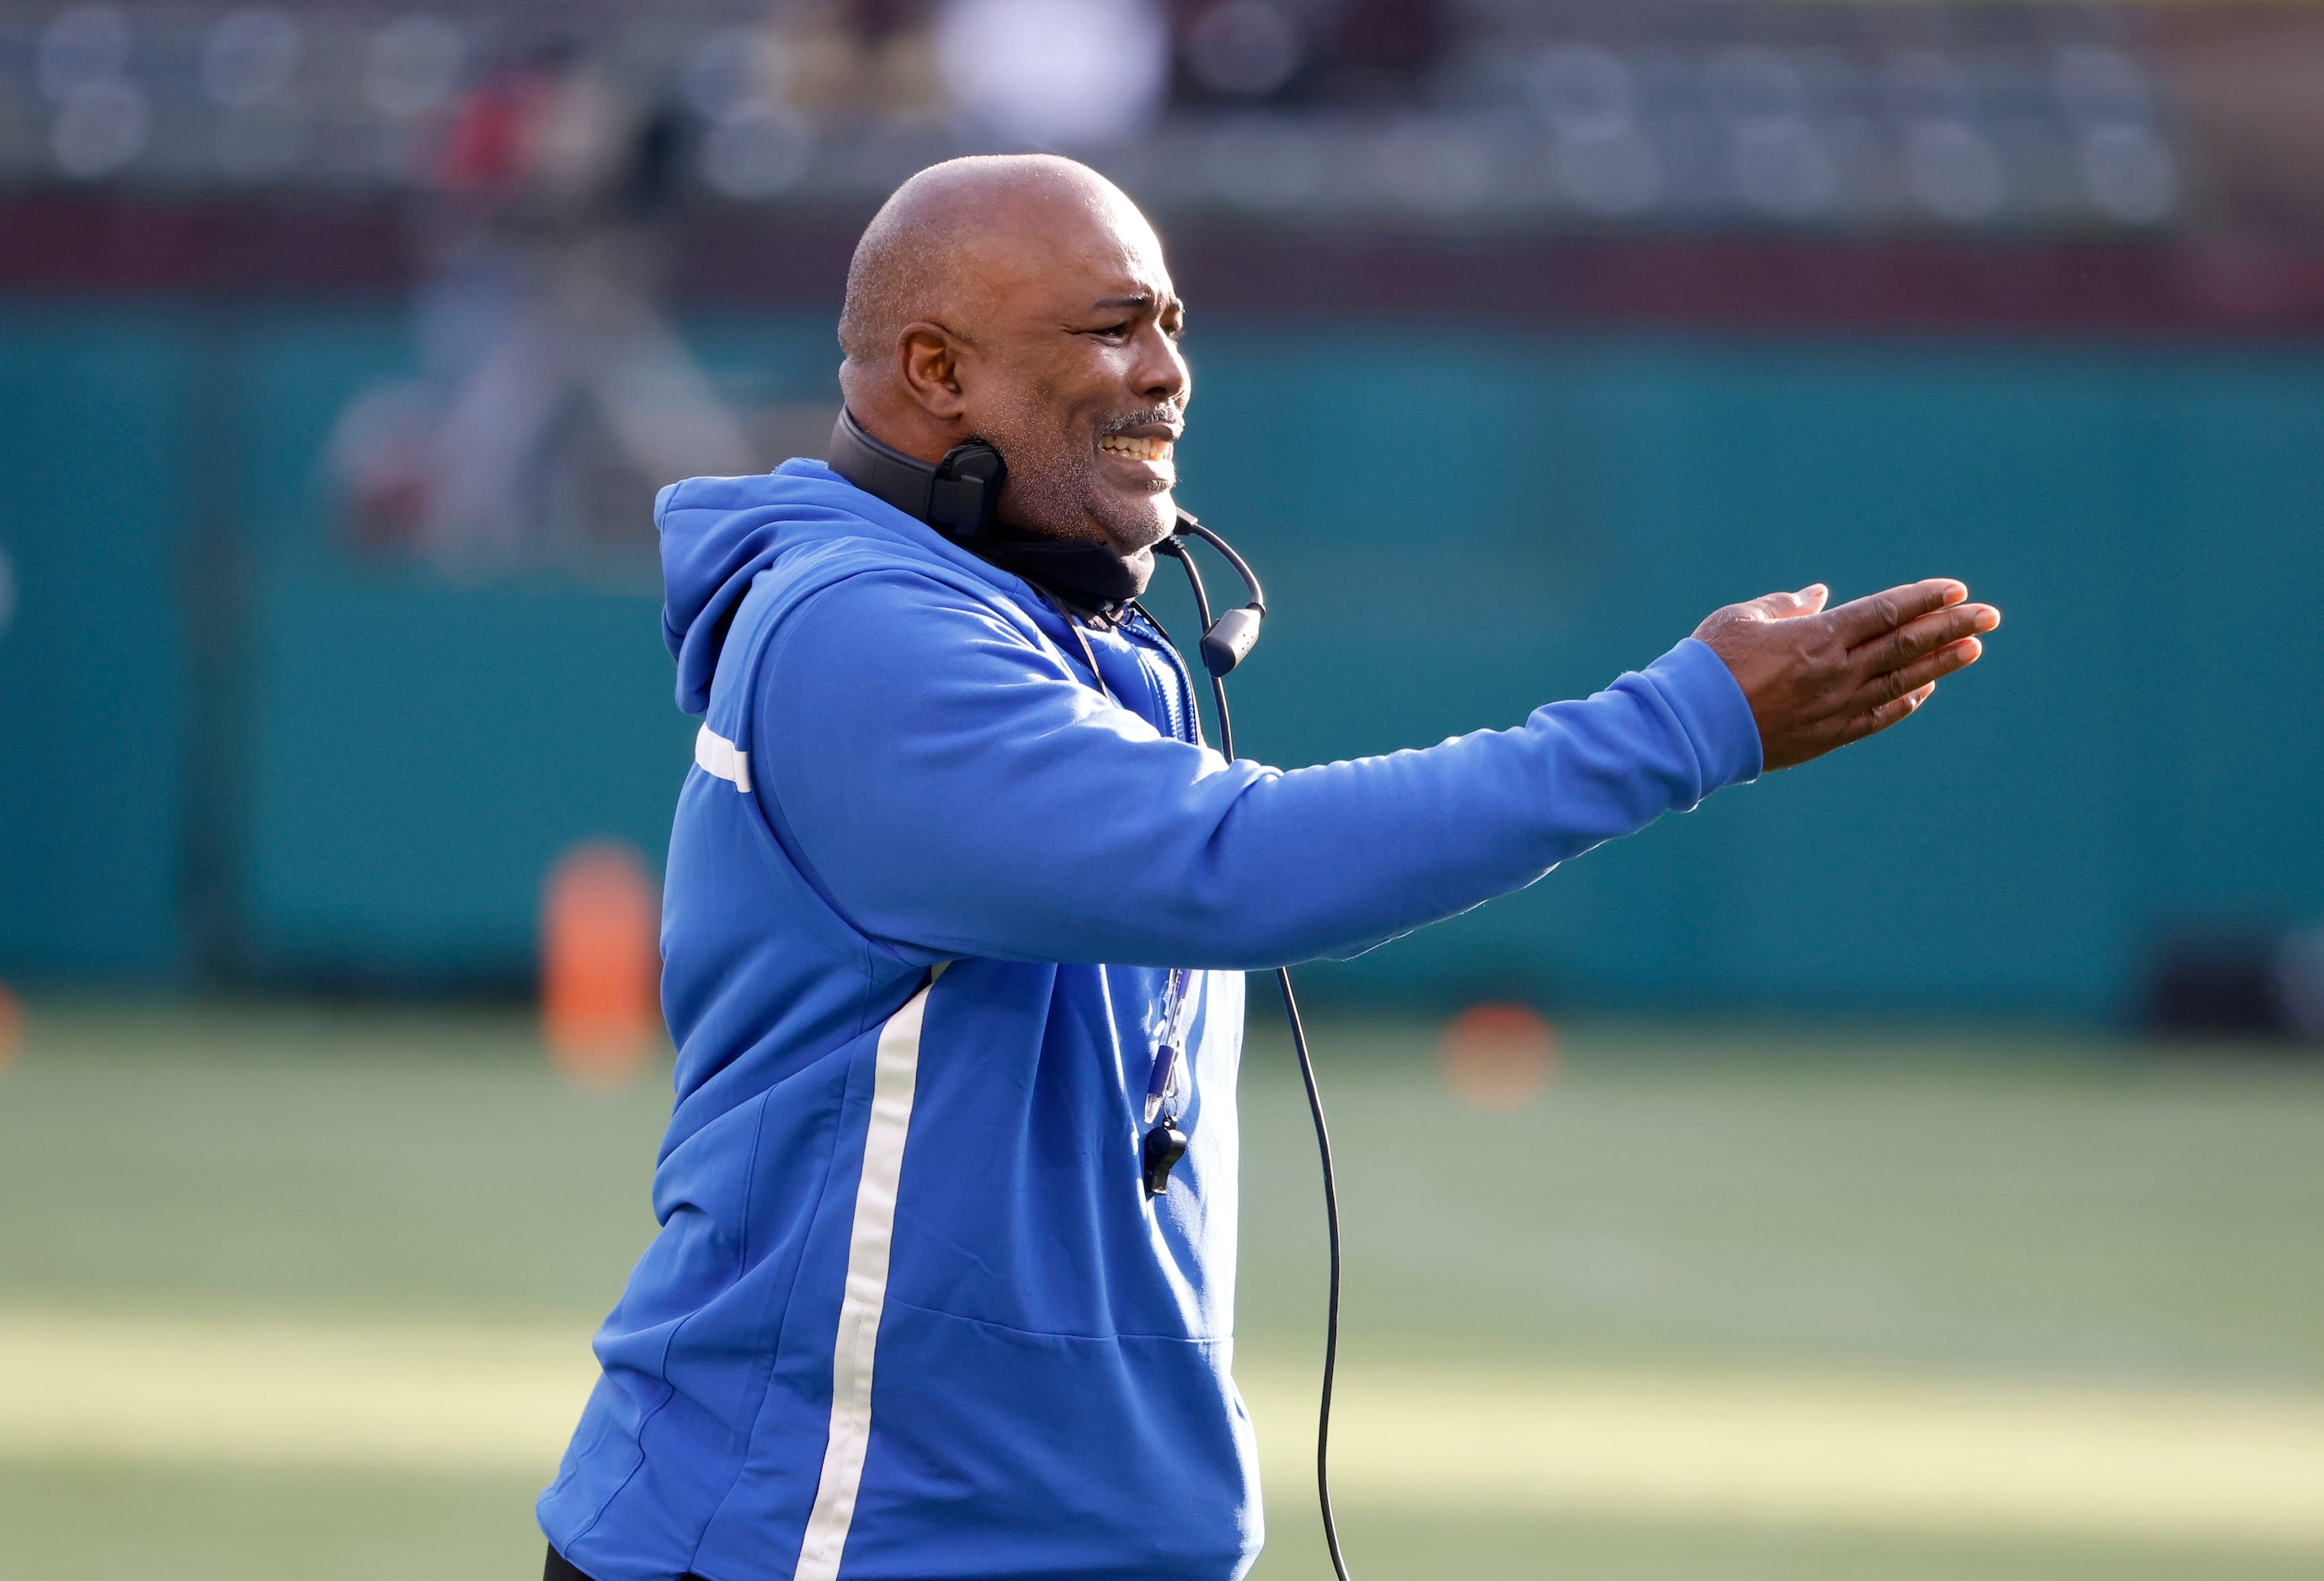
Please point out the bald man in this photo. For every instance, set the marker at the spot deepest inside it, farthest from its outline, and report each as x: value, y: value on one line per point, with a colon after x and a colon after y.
x: 958, y: 908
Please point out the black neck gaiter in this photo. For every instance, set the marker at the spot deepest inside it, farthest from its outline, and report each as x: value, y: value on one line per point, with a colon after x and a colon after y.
x: 1089, y: 577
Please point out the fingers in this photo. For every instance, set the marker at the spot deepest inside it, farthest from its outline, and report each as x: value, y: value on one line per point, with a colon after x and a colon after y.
x: 1898, y: 648
x: 1861, y: 620
x: 1872, y: 722
x: 1791, y: 606
x: 1767, y: 607
x: 1926, y: 670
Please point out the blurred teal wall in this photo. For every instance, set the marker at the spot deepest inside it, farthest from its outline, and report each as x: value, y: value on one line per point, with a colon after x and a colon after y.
x: 95, y: 467
x: 1455, y: 526
x: 1484, y: 523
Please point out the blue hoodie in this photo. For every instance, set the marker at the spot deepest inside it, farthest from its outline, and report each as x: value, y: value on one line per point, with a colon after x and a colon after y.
x: 937, y: 896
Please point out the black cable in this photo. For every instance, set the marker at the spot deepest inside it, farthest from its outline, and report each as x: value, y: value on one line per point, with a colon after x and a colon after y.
x: 1089, y: 654
x: 1331, y: 1319
x: 1226, y: 552
x: 1315, y: 1097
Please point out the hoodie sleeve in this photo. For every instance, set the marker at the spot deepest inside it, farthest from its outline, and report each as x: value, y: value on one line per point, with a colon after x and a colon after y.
x: 953, y: 789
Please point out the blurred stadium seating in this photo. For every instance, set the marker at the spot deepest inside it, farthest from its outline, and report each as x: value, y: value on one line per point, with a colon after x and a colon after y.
x: 2006, y: 117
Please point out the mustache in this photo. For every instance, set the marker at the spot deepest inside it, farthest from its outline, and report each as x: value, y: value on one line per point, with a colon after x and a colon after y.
x: 1168, y: 412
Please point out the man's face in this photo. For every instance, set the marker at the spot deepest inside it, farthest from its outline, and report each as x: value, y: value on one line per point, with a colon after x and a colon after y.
x: 1075, y: 377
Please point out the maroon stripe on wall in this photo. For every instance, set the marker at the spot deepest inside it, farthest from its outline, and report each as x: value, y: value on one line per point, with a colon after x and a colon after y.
x: 105, y: 245
x: 1777, y: 283
x: 109, y: 244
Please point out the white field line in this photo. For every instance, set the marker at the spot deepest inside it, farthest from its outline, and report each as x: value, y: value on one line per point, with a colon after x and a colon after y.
x: 1836, y: 1451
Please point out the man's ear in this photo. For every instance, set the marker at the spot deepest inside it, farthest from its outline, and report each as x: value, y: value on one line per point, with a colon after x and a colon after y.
x: 929, y: 357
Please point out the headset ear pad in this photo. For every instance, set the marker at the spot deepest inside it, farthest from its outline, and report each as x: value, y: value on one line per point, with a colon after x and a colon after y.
x: 967, y: 491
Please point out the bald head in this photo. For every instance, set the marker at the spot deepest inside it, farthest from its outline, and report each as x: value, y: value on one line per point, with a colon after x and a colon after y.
x: 1021, y: 299
x: 939, y: 246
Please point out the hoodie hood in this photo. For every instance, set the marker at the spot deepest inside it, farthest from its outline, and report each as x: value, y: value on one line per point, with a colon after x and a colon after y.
x: 718, y: 534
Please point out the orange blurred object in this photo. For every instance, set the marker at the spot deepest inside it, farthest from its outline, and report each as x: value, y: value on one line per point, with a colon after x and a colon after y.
x: 11, y: 1026
x: 1498, y: 1056
x: 600, y: 965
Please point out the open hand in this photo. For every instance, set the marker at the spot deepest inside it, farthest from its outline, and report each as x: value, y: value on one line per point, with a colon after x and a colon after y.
x: 1820, y: 678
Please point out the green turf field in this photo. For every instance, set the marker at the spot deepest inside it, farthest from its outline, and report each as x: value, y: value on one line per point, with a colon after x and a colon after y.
x: 304, y: 1293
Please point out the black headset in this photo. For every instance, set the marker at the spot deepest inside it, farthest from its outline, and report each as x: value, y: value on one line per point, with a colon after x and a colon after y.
x: 958, y: 496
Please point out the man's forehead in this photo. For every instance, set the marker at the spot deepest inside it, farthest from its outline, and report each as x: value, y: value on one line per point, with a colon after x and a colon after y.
x: 1092, y: 261
x: 1138, y: 268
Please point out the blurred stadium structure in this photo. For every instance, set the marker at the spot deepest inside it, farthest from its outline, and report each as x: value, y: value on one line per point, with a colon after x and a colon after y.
x: 156, y: 145
x: 346, y: 346
x: 2011, y: 118
x: 2006, y: 119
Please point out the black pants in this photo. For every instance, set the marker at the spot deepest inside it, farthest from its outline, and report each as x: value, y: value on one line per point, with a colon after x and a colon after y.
x: 559, y: 1570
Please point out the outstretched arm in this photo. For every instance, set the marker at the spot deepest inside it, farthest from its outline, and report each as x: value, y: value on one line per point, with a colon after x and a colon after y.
x: 952, y: 788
